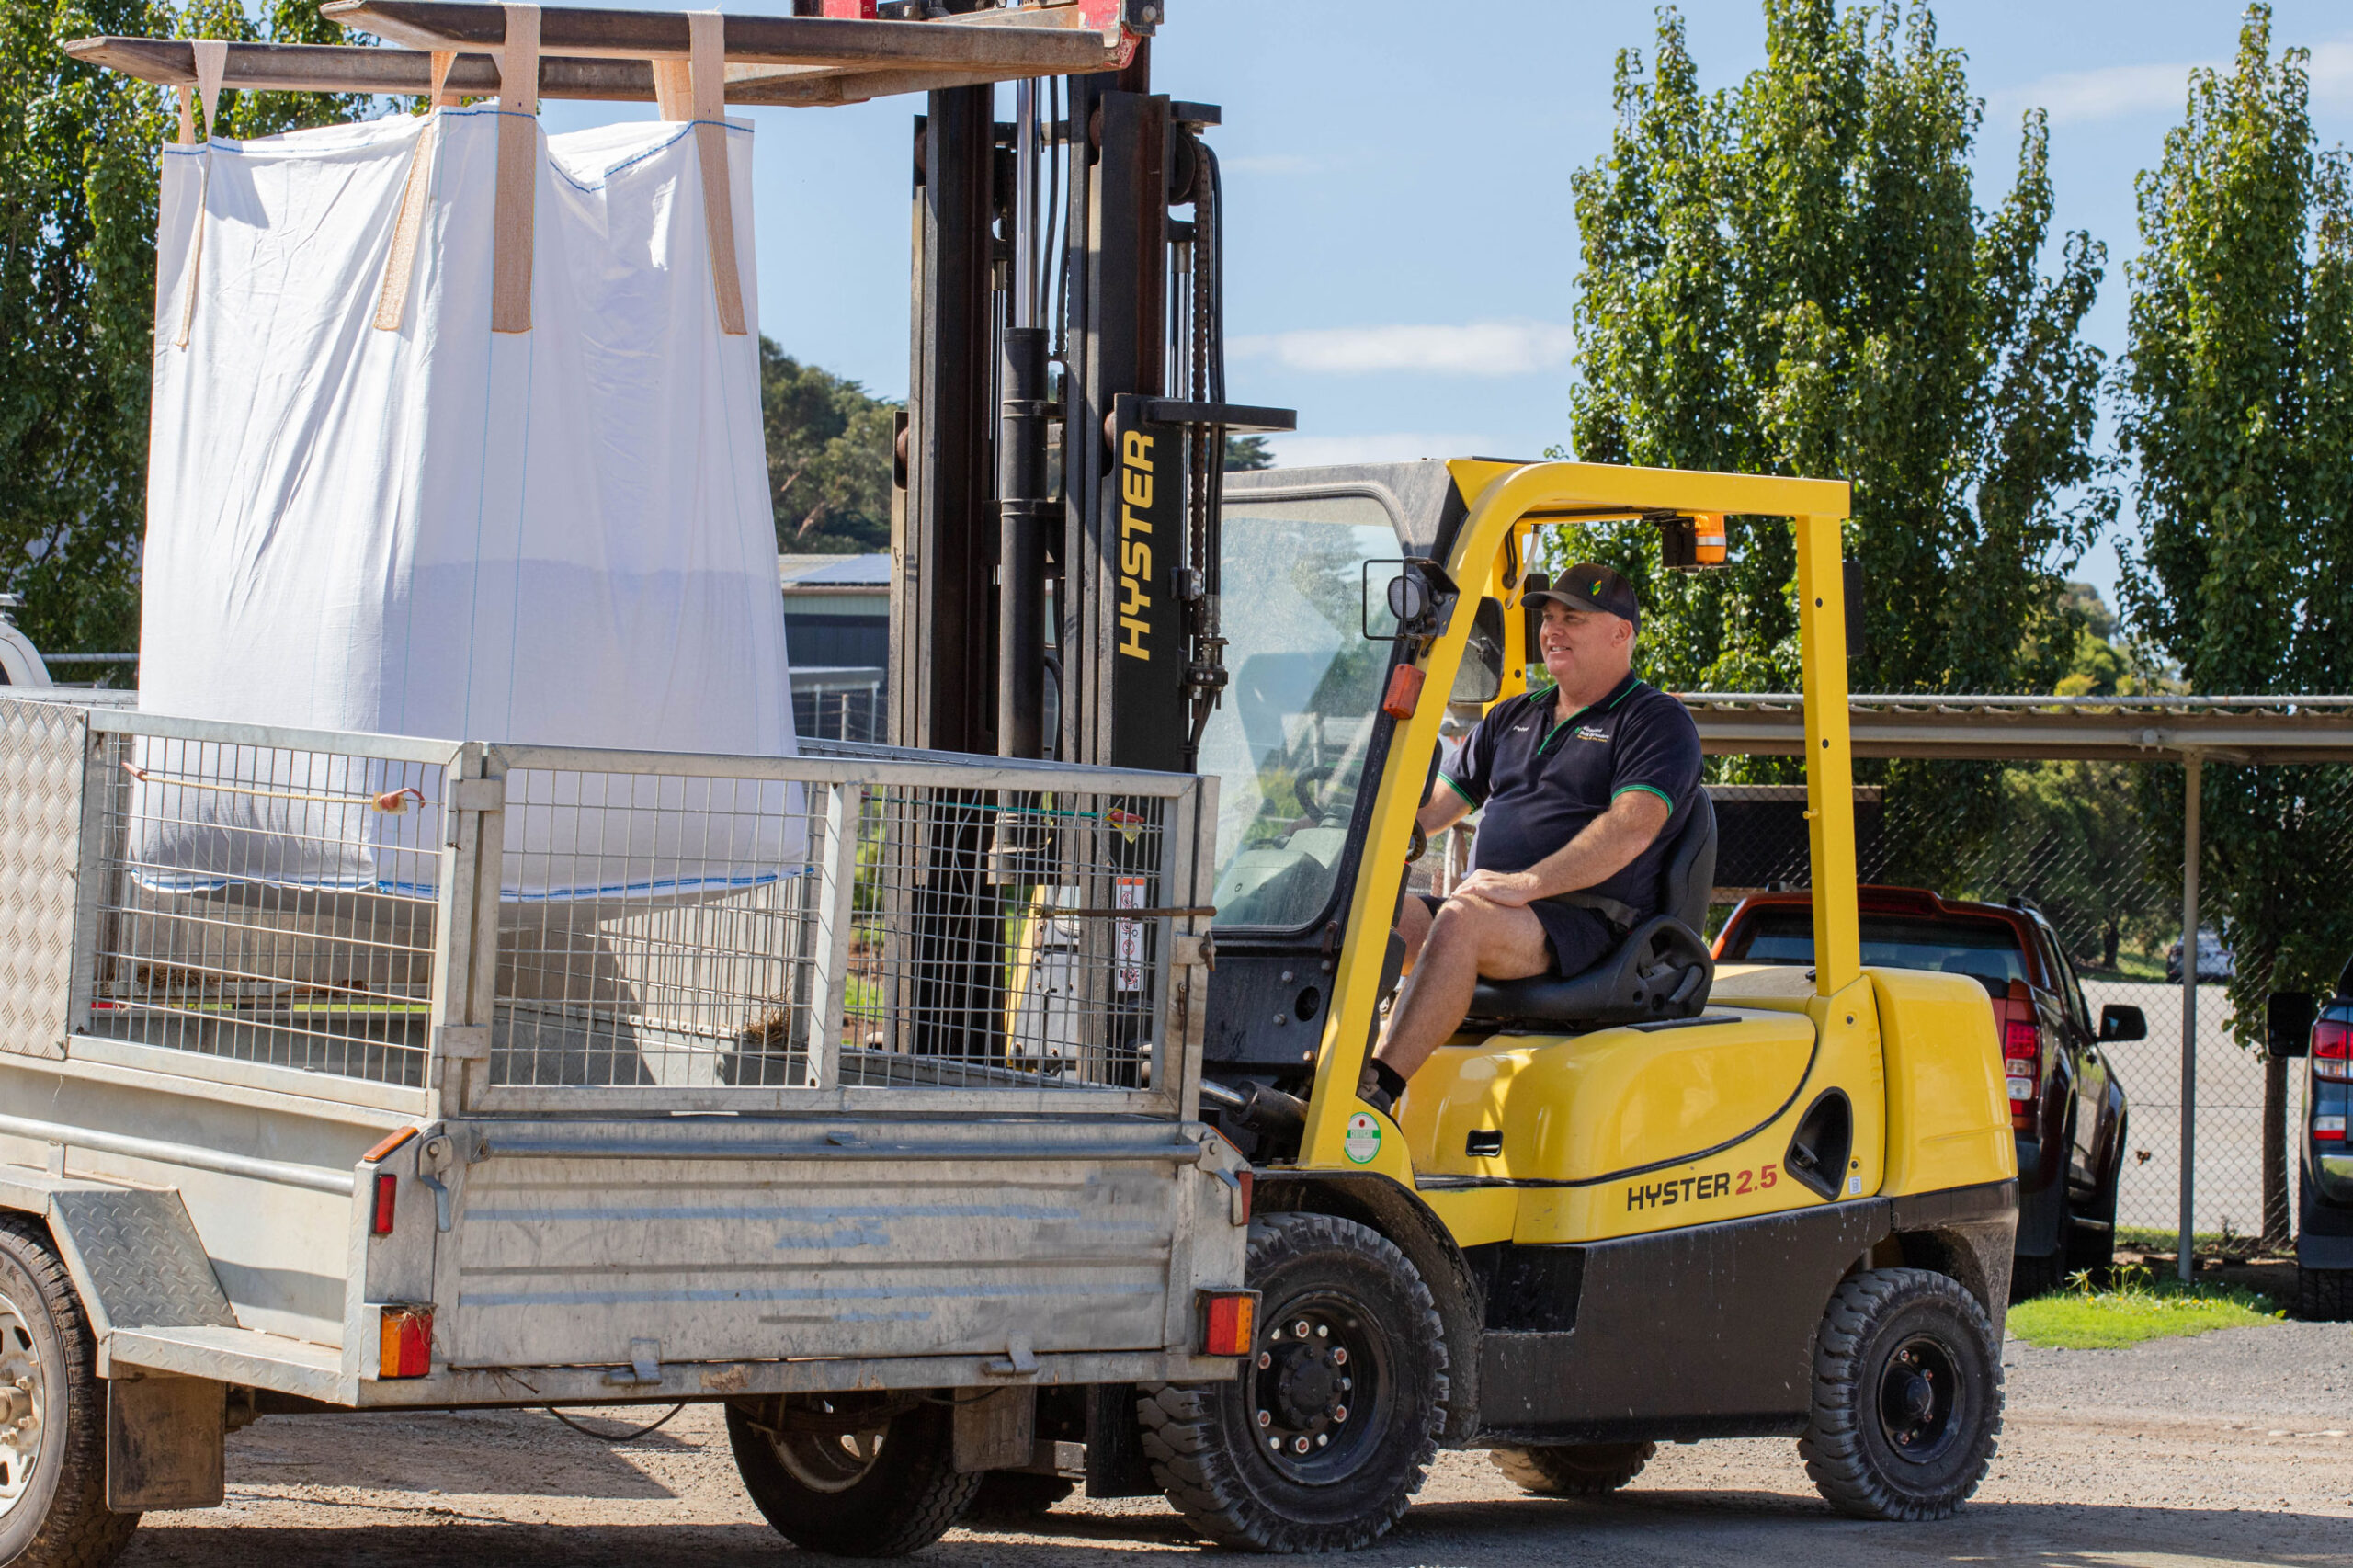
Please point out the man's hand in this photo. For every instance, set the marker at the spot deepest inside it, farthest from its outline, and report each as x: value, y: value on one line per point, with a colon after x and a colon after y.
x: 1513, y: 889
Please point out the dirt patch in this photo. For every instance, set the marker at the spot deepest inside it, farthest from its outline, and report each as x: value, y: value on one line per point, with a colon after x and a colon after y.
x: 2233, y: 1448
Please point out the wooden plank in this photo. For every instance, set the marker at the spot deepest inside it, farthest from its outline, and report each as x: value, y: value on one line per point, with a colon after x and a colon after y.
x: 1048, y: 41
x: 329, y: 68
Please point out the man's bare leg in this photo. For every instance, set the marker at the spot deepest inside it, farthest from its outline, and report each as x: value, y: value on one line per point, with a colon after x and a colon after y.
x: 1469, y: 937
x: 1413, y: 924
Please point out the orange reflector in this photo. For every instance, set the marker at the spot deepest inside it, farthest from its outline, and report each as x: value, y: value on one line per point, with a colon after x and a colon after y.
x: 391, y: 1142
x: 1707, y: 539
x: 1405, y: 692
x: 1229, y: 1322
x: 1249, y: 1180
x: 405, y: 1348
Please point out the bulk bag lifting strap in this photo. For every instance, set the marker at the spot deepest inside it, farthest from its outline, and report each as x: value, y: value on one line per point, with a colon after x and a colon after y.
x: 211, y: 62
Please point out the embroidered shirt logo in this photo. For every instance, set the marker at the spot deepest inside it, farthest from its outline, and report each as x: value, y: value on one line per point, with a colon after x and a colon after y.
x: 1589, y: 733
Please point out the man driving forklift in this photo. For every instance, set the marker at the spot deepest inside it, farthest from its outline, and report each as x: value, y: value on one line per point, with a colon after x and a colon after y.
x: 1579, y: 784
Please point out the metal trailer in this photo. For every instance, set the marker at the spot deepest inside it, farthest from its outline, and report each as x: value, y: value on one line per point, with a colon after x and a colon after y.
x: 347, y: 1072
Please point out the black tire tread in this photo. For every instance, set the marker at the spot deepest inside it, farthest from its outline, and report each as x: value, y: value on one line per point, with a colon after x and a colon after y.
x: 80, y: 1531
x: 2324, y: 1295
x: 916, y: 1517
x: 1195, y: 1470
x: 1581, y: 1470
x: 1832, y: 1448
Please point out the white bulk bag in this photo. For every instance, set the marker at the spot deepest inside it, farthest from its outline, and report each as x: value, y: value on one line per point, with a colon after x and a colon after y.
x: 559, y: 536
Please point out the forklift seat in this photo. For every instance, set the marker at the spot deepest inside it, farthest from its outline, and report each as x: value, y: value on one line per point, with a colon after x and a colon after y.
x: 1662, y: 970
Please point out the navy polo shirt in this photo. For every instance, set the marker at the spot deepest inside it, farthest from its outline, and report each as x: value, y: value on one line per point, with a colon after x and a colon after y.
x: 1542, y: 777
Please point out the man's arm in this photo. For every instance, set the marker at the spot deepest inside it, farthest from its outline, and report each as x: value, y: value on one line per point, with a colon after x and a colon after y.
x: 1445, y: 807
x: 1605, y: 846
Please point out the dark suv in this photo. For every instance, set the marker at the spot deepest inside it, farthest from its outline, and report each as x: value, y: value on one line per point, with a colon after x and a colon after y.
x: 2324, y: 1201
x: 2065, y: 1106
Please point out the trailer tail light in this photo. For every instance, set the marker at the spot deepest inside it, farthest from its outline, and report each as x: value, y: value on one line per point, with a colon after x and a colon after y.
x: 2332, y: 1051
x: 1229, y: 1322
x: 388, y: 1191
x: 2022, y: 1066
x: 2328, y: 1130
x: 405, y: 1349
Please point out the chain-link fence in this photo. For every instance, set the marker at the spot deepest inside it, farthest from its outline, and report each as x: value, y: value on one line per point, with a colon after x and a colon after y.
x: 2096, y: 847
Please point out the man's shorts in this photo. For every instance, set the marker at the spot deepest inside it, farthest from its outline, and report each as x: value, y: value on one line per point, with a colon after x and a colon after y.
x: 1578, y: 939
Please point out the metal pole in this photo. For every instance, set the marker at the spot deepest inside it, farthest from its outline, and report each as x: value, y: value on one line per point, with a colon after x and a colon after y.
x: 2185, y: 1243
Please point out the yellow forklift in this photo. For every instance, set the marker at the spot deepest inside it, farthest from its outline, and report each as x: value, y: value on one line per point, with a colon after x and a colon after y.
x: 1656, y: 1201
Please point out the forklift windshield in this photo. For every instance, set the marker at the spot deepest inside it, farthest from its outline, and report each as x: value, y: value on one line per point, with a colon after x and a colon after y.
x: 1287, y: 745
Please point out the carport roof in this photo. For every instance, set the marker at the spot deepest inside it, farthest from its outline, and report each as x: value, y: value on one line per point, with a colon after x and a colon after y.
x: 2004, y: 728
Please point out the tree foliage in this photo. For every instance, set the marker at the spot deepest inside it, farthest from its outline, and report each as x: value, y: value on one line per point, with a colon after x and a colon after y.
x: 829, y: 458
x: 2238, y: 408
x: 1791, y: 277
x: 77, y: 292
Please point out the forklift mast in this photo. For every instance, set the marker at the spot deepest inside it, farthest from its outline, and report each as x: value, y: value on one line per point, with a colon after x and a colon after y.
x: 1054, y: 524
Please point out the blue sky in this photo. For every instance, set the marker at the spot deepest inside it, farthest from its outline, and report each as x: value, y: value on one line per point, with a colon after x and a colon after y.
x: 1402, y: 247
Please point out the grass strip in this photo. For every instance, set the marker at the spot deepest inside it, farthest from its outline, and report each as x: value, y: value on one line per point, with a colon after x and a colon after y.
x: 2138, y: 1306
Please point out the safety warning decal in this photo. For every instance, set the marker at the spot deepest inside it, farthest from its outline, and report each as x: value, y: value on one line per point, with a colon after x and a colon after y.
x: 1362, y: 1142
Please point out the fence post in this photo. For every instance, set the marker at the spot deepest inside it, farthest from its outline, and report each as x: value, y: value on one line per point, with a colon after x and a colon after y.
x: 2184, y: 1244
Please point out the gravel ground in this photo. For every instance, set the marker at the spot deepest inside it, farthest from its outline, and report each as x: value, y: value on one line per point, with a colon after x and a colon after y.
x: 2233, y: 1448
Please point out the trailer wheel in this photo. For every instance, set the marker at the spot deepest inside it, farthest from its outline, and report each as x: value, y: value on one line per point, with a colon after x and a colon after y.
x: 1327, y: 1434
x: 53, y: 1430
x: 1016, y: 1496
x: 1573, y: 1470
x: 1907, y: 1396
x: 883, y: 1493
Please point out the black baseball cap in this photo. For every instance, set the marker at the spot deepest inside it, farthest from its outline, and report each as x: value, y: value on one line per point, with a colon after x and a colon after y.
x: 1591, y: 586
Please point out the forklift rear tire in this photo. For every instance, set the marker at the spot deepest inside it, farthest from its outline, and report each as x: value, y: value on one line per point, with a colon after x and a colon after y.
x: 54, y: 1449
x: 1326, y: 1434
x: 1574, y: 1470
x: 879, y: 1493
x: 1907, y: 1396
x: 2324, y: 1295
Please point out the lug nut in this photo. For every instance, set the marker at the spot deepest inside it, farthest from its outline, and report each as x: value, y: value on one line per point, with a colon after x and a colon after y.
x: 1322, y: 1439
x: 1323, y: 1330
x: 1339, y: 1412
x: 1339, y: 1354
x: 1266, y: 1360
x: 1299, y: 1445
x: 1298, y: 1329
x: 1266, y: 1418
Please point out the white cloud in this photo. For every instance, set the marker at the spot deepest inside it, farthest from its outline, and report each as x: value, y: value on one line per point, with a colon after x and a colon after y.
x: 1478, y: 348
x: 2113, y: 92
x: 1270, y: 164
x: 2108, y: 93
x: 1315, y: 451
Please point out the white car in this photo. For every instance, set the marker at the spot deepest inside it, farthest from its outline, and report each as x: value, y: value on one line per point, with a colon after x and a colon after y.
x: 2214, y: 959
x: 20, y: 662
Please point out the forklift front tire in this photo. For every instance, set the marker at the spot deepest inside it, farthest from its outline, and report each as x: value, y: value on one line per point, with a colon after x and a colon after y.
x: 1573, y: 1470
x: 1324, y: 1438
x: 1907, y: 1396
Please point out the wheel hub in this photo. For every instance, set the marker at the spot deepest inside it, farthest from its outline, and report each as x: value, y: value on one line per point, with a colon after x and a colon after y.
x: 1919, y: 1390
x: 1317, y: 1371
x: 23, y: 1404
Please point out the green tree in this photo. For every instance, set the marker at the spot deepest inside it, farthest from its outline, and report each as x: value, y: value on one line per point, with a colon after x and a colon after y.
x: 1791, y: 276
x: 1246, y: 454
x: 2238, y: 409
x: 78, y: 223
x: 78, y: 290
x: 829, y: 458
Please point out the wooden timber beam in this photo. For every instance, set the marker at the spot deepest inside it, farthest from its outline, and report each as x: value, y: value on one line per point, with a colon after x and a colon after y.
x: 1047, y: 41
x: 330, y: 68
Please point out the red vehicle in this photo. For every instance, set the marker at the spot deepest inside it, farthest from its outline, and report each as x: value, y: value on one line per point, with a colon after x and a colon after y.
x: 2065, y: 1105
